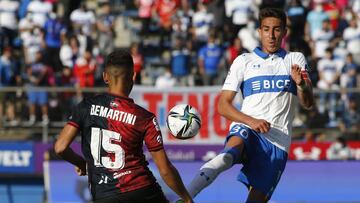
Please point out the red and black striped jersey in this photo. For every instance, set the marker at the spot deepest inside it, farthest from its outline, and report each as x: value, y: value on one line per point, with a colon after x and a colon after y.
x: 113, y: 130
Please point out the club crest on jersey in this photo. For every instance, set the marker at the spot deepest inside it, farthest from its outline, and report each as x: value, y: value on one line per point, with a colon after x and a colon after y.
x: 114, y: 104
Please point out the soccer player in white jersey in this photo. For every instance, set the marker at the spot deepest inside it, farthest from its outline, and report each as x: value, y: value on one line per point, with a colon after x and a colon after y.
x: 272, y: 82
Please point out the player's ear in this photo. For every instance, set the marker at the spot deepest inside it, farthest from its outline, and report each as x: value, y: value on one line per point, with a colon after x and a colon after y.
x: 285, y: 31
x: 106, y: 78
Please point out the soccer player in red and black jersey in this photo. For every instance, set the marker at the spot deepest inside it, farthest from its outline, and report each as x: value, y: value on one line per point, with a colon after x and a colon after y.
x: 113, y: 129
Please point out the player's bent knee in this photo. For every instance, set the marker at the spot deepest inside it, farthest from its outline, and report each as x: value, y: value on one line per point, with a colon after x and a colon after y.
x: 235, y: 153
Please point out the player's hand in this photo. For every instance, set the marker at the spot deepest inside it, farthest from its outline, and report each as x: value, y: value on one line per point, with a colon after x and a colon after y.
x: 259, y: 125
x: 296, y: 74
x: 81, y: 171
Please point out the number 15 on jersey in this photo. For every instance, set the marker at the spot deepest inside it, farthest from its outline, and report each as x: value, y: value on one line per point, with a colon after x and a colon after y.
x: 101, y: 138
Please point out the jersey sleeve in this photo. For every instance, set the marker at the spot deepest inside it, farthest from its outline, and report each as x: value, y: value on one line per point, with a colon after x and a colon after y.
x: 235, y: 75
x: 77, y: 116
x: 153, y: 137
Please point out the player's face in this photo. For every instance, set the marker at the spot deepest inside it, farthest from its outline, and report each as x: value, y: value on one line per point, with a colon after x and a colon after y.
x: 271, y: 33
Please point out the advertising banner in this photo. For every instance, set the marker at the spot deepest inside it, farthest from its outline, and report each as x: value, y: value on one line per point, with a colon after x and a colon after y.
x: 319, y: 150
x: 16, y: 157
x: 202, y: 152
x: 205, y: 99
x: 27, y: 157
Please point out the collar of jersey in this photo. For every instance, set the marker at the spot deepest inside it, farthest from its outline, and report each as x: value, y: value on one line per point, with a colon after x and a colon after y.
x: 121, y: 97
x: 281, y: 53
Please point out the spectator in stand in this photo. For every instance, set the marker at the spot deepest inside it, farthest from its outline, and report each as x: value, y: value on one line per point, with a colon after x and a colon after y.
x: 340, y: 52
x: 9, y: 76
x: 185, y: 15
x: 314, y: 21
x: 333, y: 12
x: 165, y: 10
x: 241, y: 12
x: 145, y: 12
x: 202, y: 22
x: 351, y: 36
x: 296, y: 13
x: 83, y: 20
x: 339, y: 150
x: 32, y: 44
x: 345, y: 17
x: 37, y: 77
x: 25, y: 27
x: 40, y: 11
x: 106, y: 29
x: 166, y: 80
x: 180, y: 64
x: 209, y: 59
x: 54, y: 31
x: 138, y: 61
x: 217, y: 8
x: 84, y: 70
x: 182, y: 23
x: 70, y: 51
x: 350, y: 120
x: 84, y: 74
x: 249, y: 36
x: 329, y: 72
x: 349, y: 75
x: 322, y: 39
x: 178, y: 31
x: 66, y: 99
x: 234, y: 51
x: 8, y: 22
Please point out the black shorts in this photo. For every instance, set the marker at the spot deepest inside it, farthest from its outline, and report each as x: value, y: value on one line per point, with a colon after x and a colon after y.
x: 151, y: 194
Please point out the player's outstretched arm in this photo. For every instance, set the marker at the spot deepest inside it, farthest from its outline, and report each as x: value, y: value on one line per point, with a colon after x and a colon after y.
x: 228, y: 110
x: 170, y: 175
x: 304, y: 87
x: 63, y: 150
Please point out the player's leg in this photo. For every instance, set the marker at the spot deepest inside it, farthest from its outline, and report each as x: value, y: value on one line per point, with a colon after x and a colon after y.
x: 43, y: 101
x: 256, y: 196
x: 211, y: 169
x: 264, y: 168
x: 32, y: 100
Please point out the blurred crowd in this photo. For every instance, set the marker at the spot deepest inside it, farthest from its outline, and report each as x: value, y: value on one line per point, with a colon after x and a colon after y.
x: 174, y: 43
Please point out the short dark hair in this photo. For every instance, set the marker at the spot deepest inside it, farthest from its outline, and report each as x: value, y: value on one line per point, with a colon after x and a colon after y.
x: 272, y: 12
x: 119, y: 59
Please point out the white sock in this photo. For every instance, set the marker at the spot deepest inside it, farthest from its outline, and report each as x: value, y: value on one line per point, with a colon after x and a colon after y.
x: 209, y: 171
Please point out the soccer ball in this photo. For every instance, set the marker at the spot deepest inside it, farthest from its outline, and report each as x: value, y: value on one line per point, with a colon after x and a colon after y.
x: 183, y: 121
